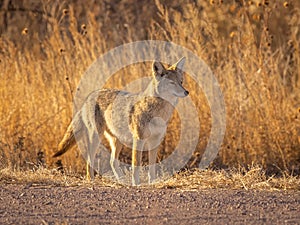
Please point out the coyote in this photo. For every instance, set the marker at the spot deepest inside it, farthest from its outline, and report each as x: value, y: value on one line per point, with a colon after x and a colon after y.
x: 137, y: 120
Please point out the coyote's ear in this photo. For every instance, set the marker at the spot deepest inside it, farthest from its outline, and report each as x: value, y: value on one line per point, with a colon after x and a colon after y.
x: 179, y: 64
x: 158, y: 69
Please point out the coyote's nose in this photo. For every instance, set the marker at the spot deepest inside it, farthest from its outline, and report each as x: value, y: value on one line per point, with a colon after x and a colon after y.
x: 186, y: 93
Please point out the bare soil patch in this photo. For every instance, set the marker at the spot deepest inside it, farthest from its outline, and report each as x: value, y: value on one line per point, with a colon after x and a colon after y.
x: 50, y: 204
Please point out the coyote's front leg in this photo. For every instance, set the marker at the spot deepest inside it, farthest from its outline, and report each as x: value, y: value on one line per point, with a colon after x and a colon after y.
x: 137, y: 148
x: 152, y: 164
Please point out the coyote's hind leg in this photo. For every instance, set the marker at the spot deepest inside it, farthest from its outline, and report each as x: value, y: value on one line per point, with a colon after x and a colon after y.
x: 116, y: 148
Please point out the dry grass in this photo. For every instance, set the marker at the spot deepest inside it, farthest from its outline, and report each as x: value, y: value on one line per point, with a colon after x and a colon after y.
x: 53, y: 177
x: 252, y: 179
x: 253, y: 50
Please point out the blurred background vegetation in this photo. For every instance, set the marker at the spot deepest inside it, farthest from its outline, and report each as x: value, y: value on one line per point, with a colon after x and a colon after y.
x: 251, y: 46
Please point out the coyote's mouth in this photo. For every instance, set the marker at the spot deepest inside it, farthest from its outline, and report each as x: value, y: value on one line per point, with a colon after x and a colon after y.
x: 185, y: 93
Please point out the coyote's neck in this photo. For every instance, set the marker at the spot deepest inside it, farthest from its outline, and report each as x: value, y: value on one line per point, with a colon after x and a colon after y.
x: 152, y: 91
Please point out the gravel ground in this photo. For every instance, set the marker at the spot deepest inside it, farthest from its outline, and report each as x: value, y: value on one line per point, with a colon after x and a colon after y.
x: 38, y: 204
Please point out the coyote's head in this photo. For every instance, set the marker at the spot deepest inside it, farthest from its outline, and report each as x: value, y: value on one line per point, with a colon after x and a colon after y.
x: 168, y: 82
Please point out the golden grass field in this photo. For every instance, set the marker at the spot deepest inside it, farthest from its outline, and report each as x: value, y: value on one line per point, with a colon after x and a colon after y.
x: 252, y: 48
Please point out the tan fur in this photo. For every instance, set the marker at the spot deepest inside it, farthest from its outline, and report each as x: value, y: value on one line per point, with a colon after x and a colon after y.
x: 135, y: 120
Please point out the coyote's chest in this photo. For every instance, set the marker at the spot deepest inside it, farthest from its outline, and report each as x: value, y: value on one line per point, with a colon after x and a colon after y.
x: 149, y: 117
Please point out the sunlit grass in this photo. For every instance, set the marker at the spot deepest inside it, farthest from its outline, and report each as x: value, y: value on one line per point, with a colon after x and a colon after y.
x: 253, y: 179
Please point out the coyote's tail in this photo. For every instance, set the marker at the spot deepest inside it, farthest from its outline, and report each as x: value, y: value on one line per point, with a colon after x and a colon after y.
x: 74, y: 130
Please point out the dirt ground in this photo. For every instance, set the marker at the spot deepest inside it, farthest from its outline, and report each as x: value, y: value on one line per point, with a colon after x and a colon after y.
x: 42, y: 204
